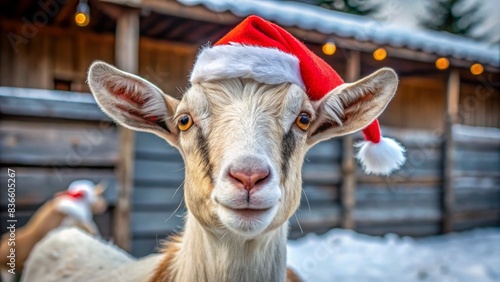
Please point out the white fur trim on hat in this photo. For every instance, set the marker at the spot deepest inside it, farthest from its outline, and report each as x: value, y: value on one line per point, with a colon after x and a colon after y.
x: 265, y: 65
x: 381, y: 158
x: 85, y: 185
x: 76, y: 209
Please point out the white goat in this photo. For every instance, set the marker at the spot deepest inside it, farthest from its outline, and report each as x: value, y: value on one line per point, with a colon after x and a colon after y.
x: 243, y: 129
x: 73, y: 207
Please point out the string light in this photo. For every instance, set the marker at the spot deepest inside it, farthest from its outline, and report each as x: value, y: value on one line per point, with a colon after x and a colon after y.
x: 379, y: 54
x: 82, y: 16
x: 329, y: 48
x: 442, y: 63
x: 476, y: 69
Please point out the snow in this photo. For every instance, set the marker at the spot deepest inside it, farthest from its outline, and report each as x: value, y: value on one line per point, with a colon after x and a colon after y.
x: 477, y: 132
x: 344, y: 255
x: 309, y: 17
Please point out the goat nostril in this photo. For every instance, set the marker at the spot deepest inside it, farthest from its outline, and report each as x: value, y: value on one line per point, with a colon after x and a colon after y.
x: 260, y: 180
x: 248, y: 179
x: 237, y: 178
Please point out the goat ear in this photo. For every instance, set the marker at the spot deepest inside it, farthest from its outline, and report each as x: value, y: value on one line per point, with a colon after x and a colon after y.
x: 353, y: 106
x: 132, y: 101
x: 101, y: 187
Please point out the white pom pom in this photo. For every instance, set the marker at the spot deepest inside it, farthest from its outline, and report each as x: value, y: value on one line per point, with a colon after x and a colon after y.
x: 382, y: 157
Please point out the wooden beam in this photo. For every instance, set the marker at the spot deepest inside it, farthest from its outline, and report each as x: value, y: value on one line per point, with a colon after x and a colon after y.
x: 56, y: 104
x: 201, y: 13
x: 368, y: 47
x: 453, y: 93
x: 65, y: 12
x: 16, y: 26
x: 127, y: 59
x: 24, y: 7
x: 161, y: 27
x: 348, y: 188
x: 182, y: 29
x: 127, y: 41
x: 452, y: 99
x: 201, y: 34
x: 173, y: 8
x: 110, y: 10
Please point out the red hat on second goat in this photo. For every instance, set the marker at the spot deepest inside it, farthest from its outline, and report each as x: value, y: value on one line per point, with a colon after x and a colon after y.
x: 267, y: 53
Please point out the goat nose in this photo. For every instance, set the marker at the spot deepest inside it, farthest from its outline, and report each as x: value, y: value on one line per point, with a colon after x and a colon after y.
x: 250, y: 178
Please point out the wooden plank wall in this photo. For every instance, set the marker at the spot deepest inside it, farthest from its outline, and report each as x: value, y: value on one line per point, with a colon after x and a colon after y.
x: 479, y: 104
x: 157, y: 199
x: 52, y: 130
x: 420, y: 103
x: 52, y: 57
x: 51, y: 140
x: 166, y: 65
x: 320, y: 208
x: 49, y: 59
x: 476, y: 177
x: 408, y: 201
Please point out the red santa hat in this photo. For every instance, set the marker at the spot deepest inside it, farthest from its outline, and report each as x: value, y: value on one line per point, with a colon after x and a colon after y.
x: 267, y: 53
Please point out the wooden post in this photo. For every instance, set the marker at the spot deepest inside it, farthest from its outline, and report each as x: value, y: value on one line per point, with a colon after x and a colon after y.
x: 348, y: 188
x: 452, y: 97
x: 127, y: 59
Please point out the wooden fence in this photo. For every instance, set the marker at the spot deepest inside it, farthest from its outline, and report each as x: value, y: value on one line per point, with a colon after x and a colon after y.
x: 411, y: 201
x: 53, y: 137
x: 476, y: 178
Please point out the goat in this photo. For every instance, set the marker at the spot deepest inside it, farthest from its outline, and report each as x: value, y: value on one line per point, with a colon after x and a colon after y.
x: 243, y: 129
x: 73, y: 207
x: 235, y: 227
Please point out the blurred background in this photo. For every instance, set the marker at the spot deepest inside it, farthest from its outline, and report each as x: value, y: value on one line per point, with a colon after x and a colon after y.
x: 446, y: 111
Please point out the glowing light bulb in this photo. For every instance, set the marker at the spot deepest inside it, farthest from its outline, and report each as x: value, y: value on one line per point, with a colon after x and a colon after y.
x: 442, y: 63
x: 379, y: 54
x: 476, y: 69
x: 329, y: 48
x: 81, y: 19
x: 82, y: 16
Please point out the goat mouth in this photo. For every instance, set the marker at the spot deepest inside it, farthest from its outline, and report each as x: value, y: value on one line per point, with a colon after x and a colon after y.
x: 247, y: 221
x: 247, y: 212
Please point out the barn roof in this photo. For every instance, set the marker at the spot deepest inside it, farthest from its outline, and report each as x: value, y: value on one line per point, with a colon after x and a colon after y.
x: 312, y: 18
x: 197, y: 22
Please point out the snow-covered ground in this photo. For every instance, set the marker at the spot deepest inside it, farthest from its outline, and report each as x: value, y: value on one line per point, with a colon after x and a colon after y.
x: 344, y: 255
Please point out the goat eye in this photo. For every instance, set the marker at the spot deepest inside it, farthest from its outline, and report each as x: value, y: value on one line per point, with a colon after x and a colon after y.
x: 185, y: 122
x: 303, y: 121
